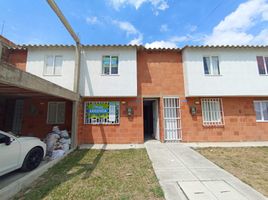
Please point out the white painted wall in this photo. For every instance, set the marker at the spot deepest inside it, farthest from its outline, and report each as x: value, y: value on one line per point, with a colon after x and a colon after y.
x: 239, y: 72
x: 93, y: 83
x: 36, y: 62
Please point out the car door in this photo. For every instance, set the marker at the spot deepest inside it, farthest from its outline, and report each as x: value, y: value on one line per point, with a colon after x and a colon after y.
x: 9, y: 154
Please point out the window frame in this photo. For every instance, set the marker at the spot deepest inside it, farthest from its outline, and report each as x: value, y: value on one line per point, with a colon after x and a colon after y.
x: 265, y: 66
x: 220, y: 113
x: 100, y: 123
x: 54, y: 61
x: 260, y: 101
x: 211, y: 65
x: 56, y: 121
x: 110, y: 65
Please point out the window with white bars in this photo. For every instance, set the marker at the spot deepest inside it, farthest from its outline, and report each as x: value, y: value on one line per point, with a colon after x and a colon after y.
x: 102, y: 112
x: 53, y: 65
x: 172, y: 118
x: 261, y: 109
x: 212, y: 112
x: 56, y: 113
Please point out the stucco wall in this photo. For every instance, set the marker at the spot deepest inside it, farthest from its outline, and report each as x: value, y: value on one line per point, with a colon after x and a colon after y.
x: 239, y: 72
x: 94, y: 83
x: 36, y: 61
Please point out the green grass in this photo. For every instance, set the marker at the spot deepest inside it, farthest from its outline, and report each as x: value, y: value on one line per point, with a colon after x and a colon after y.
x: 98, y: 174
x: 248, y: 164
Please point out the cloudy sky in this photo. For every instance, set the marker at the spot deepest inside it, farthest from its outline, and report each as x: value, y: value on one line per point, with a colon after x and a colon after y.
x: 153, y: 23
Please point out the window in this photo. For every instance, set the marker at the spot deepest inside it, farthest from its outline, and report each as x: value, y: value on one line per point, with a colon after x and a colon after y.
x: 212, y: 112
x: 262, y: 65
x: 109, y: 65
x: 261, y: 109
x: 56, y: 113
x: 102, y: 112
x: 53, y: 65
x: 211, y: 65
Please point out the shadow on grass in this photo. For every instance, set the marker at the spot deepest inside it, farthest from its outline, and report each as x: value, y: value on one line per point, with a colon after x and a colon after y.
x: 73, y: 166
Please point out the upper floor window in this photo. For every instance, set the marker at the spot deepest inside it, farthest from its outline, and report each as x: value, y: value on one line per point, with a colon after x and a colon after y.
x: 262, y: 65
x: 109, y: 65
x: 261, y: 109
x: 53, y: 65
x: 211, y: 65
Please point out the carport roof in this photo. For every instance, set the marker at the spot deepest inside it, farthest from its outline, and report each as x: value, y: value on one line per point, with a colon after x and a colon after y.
x: 15, y: 82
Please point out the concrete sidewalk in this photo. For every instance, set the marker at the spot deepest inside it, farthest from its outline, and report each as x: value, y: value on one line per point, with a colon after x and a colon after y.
x: 185, y: 174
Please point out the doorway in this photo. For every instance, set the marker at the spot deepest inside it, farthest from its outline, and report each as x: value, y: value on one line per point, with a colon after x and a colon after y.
x: 151, y: 119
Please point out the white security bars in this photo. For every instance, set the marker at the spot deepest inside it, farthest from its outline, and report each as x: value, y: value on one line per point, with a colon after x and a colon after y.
x: 102, y: 112
x: 172, y: 119
x: 212, y: 112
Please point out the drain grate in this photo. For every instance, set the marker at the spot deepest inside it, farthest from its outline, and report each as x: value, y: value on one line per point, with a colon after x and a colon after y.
x: 209, y: 190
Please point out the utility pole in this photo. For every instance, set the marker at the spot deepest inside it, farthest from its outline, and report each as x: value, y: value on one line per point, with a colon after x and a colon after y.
x: 66, y: 24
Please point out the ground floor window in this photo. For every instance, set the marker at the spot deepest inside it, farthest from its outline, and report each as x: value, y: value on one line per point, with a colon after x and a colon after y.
x: 56, y: 113
x: 102, y: 112
x: 261, y: 109
x: 212, y: 112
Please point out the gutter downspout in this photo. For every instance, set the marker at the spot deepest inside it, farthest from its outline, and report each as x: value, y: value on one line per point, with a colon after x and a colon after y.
x: 75, y: 109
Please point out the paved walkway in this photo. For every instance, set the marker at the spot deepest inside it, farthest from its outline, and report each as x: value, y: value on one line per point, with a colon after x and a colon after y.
x: 184, y: 172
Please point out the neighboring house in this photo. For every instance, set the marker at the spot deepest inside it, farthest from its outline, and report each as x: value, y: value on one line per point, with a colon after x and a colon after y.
x: 227, y: 90
x: 55, y: 63
x: 30, y: 105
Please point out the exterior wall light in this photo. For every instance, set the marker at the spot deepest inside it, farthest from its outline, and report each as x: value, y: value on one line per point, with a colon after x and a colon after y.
x: 193, y: 110
x: 129, y: 111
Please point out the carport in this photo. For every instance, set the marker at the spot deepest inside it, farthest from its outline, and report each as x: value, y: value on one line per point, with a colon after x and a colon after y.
x: 31, y: 106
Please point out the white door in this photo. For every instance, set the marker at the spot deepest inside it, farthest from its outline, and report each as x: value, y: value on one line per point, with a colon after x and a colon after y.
x: 156, y: 120
x: 172, y: 119
x: 9, y: 155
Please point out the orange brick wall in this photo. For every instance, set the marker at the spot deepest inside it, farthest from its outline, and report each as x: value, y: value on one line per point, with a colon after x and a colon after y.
x: 240, y: 122
x: 160, y: 74
x: 34, y: 121
x: 18, y: 58
x: 129, y: 130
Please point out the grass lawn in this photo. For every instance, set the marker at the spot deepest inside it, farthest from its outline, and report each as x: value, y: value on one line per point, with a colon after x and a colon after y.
x: 98, y: 174
x: 248, y: 164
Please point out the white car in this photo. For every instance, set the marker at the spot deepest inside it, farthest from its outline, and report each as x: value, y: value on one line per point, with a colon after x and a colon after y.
x: 20, y: 152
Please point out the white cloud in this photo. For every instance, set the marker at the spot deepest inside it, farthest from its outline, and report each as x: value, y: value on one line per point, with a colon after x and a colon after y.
x: 92, y: 20
x: 235, y: 28
x: 130, y: 31
x: 161, y: 44
x: 164, y: 28
x: 157, y: 4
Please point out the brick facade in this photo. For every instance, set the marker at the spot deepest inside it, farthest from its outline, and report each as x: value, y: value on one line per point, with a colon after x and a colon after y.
x: 160, y: 74
x: 239, y: 117
x: 34, y: 116
x: 129, y: 130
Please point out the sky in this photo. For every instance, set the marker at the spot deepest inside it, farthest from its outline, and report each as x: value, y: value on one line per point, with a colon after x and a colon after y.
x: 152, y: 23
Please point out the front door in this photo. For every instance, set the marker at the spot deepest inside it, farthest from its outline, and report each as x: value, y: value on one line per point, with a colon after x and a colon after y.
x: 172, y: 119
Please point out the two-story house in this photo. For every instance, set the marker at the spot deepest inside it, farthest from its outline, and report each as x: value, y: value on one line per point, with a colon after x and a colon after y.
x: 226, y: 88
x: 130, y: 93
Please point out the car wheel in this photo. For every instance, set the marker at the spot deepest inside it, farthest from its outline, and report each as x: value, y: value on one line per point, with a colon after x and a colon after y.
x: 32, y: 159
